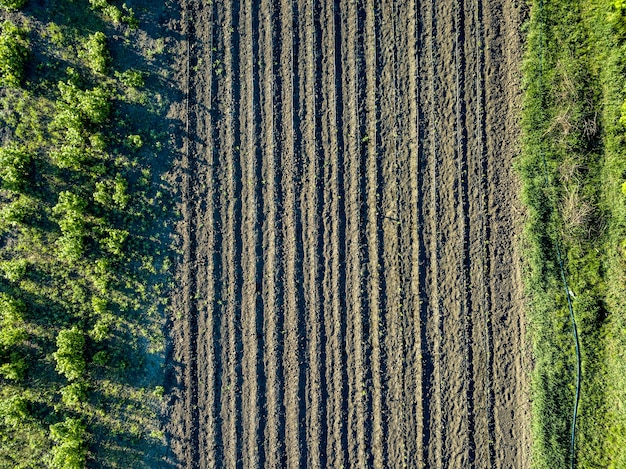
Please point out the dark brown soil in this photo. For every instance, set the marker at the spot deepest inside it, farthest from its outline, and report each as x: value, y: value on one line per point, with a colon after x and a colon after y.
x: 349, y: 287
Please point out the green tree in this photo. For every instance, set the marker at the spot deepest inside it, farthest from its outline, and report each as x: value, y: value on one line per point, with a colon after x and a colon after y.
x: 71, y: 449
x: 13, y: 55
x: 96, y: 52
x: 70, y: 353
x: 14, y: 167
x: 12, y: 4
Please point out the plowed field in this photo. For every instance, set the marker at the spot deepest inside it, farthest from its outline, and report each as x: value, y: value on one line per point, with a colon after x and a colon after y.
x: 349, y: 291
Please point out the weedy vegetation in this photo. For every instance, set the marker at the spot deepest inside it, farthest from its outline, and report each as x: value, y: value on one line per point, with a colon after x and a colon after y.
x: 574, y: 107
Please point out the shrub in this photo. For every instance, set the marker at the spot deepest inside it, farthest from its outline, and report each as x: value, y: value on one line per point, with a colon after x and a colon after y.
x: 13, y: 55
x: 14, y: 270
x: 11, y: 335
x: 14, y: 410
x: 70, y: 210
x: 70, y: 156
x: 114, y: 240
x: 74, y: 394
x: 70, y: 353
x: 87, y: 106
x: 17, y: 211
x: 12, y: 4
x: 131, y: 78
x: 96, y: 52
x: 71, y: 449
x: 14, y: 167
x: 11, y: 310
x: 15, y: 369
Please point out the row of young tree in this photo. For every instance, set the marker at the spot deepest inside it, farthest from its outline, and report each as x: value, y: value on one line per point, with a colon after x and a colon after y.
x: 66, y: 215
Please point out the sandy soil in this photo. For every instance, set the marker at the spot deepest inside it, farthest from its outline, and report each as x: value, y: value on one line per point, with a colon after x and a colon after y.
x: 349, y: 286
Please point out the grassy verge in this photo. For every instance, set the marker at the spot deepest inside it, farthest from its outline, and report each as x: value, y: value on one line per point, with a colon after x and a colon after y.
x: 574, y: 93
x: 84, y: 254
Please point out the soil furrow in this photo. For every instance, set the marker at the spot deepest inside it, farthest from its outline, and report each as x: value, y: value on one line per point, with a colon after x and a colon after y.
x: 230, y: 182
x: 349, y: 295
x: 190, y: 380
x: 450, y: 238
x: 391, y: 218
x: 334, y: 234
x: 251, y: 309
x: 216, y: 300
x: 294, y: 443
x: 353, y: 311
x: 298, y: 108
x: 375, y: 285
x: 271, y: 287
x: 311, y: 234
x: 358, y: 178
x: 465, y: 210
x: 424, y: 247
x: 208, y: 265
x: 414, y: 244
x: 434, y: 315
x: 488, y: 431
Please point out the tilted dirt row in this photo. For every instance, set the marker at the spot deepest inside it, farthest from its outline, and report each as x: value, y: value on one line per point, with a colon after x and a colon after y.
x: 349, y: 291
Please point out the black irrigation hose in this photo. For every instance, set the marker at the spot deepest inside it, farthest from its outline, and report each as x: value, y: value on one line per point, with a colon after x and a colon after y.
x: 560, y: 259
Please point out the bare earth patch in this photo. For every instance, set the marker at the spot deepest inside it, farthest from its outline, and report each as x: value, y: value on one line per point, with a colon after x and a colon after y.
x: 349, y: 290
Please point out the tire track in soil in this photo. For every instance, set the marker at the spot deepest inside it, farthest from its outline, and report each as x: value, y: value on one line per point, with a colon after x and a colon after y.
x: 417, y: 431
x: 349, y: 294
x: 190, y: 259
x: 480, y: 267
x: 465, y: 217
x: 486, y: 235
x: 432, y: 315
x: 453, y: 351
x: 503, y: 40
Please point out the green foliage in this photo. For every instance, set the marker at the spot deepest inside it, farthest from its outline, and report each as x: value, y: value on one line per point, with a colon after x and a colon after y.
x: 74, y: 394
x: 70, y: 353
x: 572, y: 110
x: 71, y: 449
x: 70, y: 213
x: 12, y: 4
x: 131, y: 78
x: 85, y: 106
x: 15, y: 164
x: 96, y: 52
x: 15, y: 368
x: 13, y: 55
x: 18, y: 211
x: 112, y: 194
x: 14, y: 410
x: 114, y: 240
x: 12, y: 335
x: 74, y: 313
x: 14, y: 270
